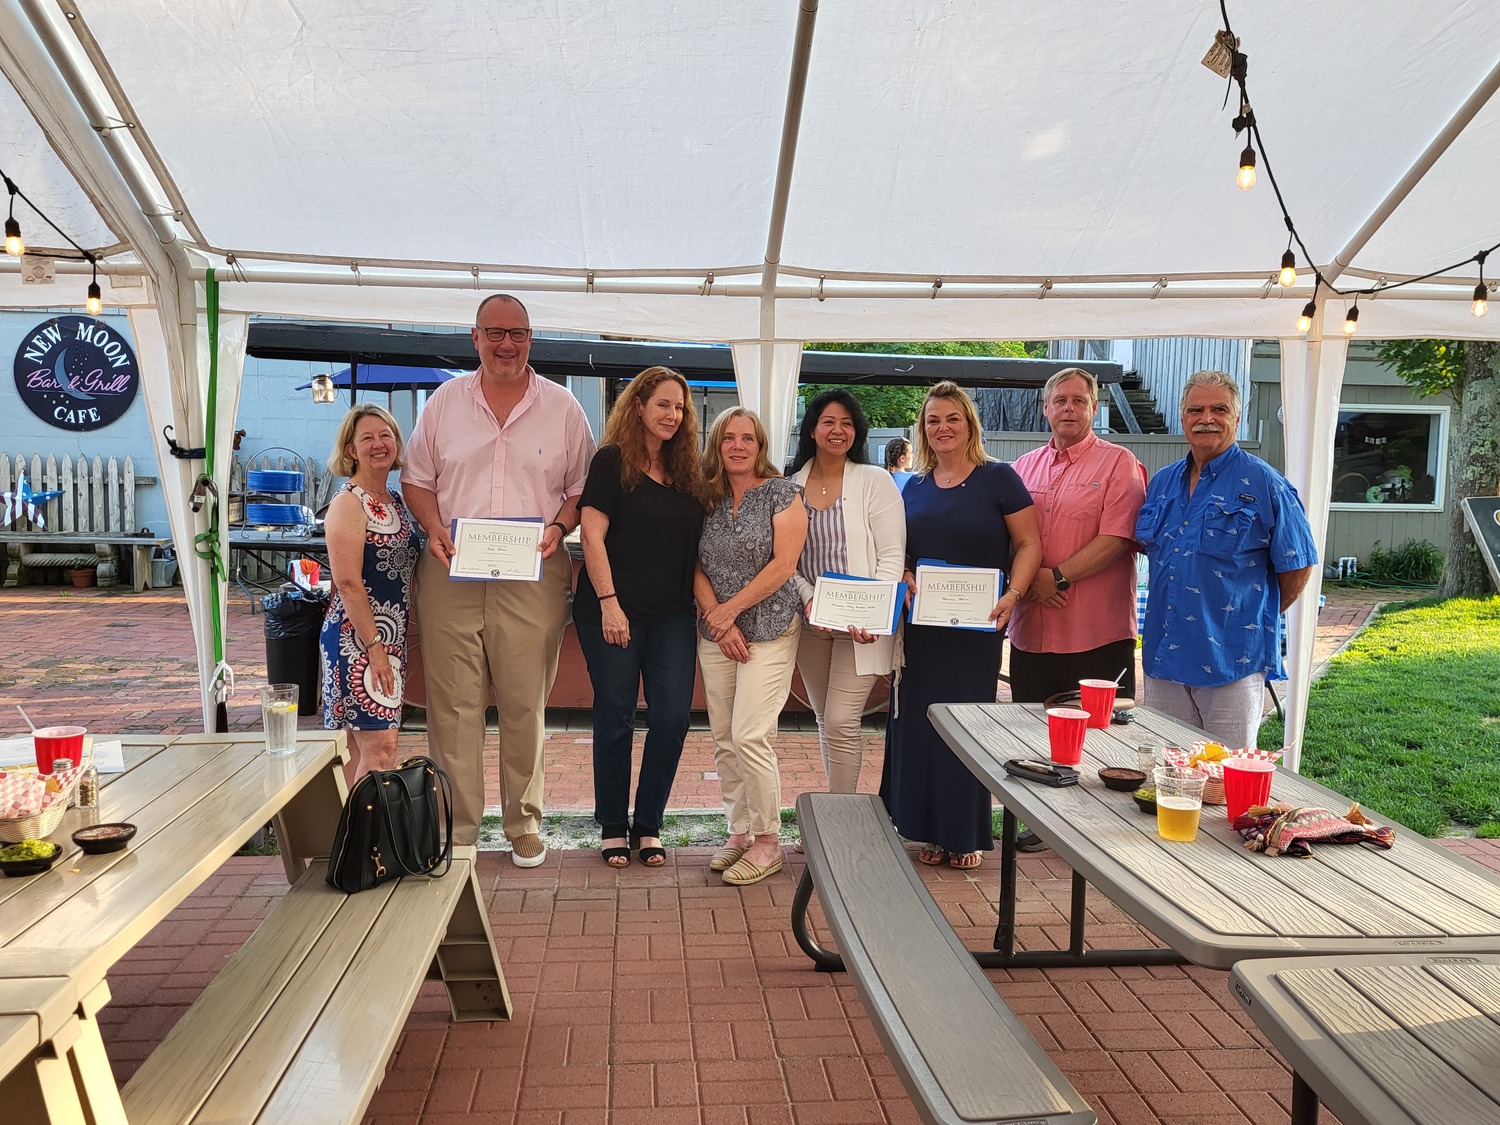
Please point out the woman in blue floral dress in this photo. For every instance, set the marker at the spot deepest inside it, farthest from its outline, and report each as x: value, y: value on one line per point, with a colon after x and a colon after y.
x: 373, y: 546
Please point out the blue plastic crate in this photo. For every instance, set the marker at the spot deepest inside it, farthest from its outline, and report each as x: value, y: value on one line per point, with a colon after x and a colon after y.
x: 273, y: 480
x: 276, y: 515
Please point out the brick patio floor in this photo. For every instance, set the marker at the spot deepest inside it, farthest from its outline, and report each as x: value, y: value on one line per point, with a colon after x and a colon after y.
x: 661, y: 995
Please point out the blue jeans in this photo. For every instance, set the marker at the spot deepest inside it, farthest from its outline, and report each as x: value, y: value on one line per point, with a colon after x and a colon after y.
x: 659, y: 659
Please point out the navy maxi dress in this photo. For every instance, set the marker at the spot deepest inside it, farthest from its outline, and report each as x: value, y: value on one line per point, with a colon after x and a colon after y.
x: 931, y: 795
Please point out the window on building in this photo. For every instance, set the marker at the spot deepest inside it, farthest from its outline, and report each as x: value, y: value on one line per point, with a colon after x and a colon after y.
x: 1390, y: 455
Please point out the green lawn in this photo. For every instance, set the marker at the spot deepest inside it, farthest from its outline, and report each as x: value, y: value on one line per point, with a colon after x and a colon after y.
x: 1407, y: 719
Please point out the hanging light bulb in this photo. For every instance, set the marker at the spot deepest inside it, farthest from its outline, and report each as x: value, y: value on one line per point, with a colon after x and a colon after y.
x: 13, y: 244
x: 95, y: 302
x: 1309, y: 310
x: 1246, y: 178
x: 1351, y: 320
x: 1481, y: 303
x: 1288, y: 275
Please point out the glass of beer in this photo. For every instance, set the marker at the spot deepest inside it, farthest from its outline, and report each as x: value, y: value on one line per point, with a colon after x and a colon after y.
x: 1179, y: 802
x: 278, y: 717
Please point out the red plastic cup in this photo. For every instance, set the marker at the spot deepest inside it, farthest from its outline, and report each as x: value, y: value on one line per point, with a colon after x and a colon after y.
x: 1247, y: 781
x: 57, y: 742
x: 1065, y: 731
x: 1098, y: 700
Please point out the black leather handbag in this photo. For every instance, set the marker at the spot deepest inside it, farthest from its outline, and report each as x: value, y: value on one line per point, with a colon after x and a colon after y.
x: 390, y: 827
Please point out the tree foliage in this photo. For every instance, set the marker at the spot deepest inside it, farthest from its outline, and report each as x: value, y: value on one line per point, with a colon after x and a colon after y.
x: 897, y: 407
x: 1430, y: 367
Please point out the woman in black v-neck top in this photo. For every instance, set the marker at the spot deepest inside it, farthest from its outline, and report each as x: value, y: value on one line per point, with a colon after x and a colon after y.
x: 642, y: 514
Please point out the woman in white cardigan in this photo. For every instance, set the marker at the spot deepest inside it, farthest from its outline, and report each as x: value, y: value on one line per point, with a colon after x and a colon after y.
x: 856, y: 526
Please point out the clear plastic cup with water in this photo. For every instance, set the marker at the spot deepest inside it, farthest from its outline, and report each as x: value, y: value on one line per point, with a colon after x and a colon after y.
x: 278, y: 717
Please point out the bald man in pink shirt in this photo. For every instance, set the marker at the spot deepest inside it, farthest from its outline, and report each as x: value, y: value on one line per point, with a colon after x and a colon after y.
x: 502, y: 442
x: 1077, y: 620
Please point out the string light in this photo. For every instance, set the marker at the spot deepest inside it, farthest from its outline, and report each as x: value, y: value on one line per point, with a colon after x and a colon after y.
x: 1246, y: 178
x: 13, y: 244
x: 95, y: 303
x: 1288, y: 275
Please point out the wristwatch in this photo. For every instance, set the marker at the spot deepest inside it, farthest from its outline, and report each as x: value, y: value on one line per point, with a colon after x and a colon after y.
x: 1057, y: 576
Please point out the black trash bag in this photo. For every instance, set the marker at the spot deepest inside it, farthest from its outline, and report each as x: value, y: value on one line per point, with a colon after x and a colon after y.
x: 294, y: 612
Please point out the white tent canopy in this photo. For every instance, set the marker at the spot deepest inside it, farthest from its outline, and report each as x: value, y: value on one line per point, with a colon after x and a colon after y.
x: 761, y: 173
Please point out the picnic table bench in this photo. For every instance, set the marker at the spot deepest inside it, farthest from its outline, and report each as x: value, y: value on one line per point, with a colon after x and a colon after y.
x: 962, y: 1054
x: 300, y: 1024
x: 1383, y: 1039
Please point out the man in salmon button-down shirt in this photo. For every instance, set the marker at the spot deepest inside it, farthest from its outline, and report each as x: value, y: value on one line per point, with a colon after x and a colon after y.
x: 502, y: 442
x: 1077, y: 620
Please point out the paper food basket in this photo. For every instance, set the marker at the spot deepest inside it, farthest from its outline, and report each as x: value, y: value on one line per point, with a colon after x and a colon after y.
x: 27, y: 810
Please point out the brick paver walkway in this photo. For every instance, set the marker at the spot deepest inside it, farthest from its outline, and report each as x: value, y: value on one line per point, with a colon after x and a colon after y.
x: 657, y: 996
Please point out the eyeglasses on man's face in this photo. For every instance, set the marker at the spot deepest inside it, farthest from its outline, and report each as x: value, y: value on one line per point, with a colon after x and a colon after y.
x: 497, y: 335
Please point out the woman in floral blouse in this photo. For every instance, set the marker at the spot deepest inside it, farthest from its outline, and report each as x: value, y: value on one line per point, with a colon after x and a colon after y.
x: 373, y: 546
x: 749, y: 616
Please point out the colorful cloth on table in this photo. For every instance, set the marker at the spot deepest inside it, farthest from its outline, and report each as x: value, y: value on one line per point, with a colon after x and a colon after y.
x: 351, y: 697
x: 1287, y: 829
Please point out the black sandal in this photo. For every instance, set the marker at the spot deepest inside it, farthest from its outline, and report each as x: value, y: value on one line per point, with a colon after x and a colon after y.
x: 609, y: 855
x: 652, y: 856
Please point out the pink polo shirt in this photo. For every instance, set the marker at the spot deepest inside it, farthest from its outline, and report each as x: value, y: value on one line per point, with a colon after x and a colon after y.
x: 476, y: 467
x: 1092, y: 488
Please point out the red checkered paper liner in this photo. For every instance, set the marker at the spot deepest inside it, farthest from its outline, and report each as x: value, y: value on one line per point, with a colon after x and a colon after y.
x: 23, y: 792
x: 1213, y: 792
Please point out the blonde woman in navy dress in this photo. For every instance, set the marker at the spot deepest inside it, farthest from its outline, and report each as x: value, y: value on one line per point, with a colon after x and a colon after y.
x: 372, y: 552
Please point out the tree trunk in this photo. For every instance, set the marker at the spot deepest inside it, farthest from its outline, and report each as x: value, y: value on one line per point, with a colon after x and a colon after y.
x: 1474, y: 467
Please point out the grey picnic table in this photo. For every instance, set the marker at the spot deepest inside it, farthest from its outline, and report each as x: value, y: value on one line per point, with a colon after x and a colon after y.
x: 1386, y: 1039
x: 1211, y: 901
x: 301, y: 1021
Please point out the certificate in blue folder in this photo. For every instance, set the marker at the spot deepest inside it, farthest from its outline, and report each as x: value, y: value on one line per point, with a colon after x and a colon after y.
x: 842, y: 601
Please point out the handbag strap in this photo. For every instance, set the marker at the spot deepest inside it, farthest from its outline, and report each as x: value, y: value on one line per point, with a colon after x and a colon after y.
x: 444, y: 845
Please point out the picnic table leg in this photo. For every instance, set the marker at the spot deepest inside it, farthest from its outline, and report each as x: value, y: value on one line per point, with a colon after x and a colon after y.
x: 1304, y: 1102
x: 306, y: 824
x: 466, y: 961
x: 96, y: 1078
x: 42, y: 1088
x: 824, y: 960
x: 1005, y: 930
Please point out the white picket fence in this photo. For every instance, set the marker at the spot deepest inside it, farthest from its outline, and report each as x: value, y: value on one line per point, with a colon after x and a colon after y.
x: 97, y: 498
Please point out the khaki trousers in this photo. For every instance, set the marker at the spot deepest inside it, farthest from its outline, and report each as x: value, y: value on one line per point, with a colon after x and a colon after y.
x: 744, y: 702
x: 837, y: 694
x: 484, y: 640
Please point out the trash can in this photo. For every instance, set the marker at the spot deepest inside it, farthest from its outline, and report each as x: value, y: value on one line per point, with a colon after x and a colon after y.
x: 293, y: 619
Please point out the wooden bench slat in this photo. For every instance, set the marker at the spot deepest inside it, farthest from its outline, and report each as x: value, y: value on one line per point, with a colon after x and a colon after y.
x: 342, y: 1060
x: 946, y: 1029
x: 298, y: 1026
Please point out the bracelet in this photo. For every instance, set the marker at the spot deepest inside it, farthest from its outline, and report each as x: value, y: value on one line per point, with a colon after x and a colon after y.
x: 608, y: 597
x: 1013, y: 590
x: 562, y: 527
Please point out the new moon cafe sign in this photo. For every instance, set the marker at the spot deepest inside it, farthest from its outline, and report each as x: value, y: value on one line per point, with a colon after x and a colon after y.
x: 76, y: 373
